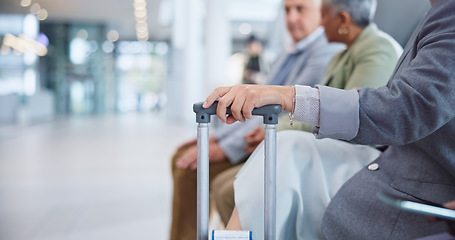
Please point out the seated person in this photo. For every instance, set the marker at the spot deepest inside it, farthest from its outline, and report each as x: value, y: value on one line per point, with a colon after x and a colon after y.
x: 368, y: 61
x: 414, y: 115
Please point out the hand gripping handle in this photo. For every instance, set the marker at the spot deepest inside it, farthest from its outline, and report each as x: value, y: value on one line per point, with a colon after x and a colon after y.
x: 269, y: 112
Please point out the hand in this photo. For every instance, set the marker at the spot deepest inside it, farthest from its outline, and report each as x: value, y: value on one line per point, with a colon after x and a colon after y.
x: 188, y: 160
x: 253, y: 139
x: 244, y: 98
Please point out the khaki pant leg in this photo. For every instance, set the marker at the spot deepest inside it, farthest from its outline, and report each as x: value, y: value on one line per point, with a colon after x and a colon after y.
x: 184, y: 206
x: 222, y: 189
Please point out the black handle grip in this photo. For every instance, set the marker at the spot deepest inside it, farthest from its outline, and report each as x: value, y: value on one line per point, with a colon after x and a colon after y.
x: 269, y: 112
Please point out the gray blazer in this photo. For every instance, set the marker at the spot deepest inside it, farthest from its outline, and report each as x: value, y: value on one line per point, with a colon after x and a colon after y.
x: 308, y: 69
x: 414, y: 114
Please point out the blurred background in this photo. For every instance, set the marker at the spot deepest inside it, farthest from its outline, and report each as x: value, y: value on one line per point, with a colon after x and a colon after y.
x: 96, y: 94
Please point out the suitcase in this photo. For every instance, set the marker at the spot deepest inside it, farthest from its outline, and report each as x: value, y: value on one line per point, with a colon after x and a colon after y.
x: 270, y: 118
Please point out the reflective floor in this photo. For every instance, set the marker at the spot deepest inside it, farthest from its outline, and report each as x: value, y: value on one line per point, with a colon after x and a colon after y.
x: 90, y: 178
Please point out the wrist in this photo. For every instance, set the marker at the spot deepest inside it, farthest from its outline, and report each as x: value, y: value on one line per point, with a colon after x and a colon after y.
x: 288, y: 98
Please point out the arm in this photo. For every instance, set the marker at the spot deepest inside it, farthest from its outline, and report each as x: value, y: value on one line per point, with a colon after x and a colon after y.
x: 418, y: 100
x: 399, y: 113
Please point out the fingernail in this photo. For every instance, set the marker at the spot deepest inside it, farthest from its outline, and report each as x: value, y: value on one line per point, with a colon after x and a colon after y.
x: 205, y: 105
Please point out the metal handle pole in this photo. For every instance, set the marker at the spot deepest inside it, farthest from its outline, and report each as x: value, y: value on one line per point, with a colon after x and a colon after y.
x: 270, y: 117
x: 203, y: 181
x: 270, y: 182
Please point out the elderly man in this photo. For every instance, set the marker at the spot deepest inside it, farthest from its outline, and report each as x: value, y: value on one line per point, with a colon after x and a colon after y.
x: 303, y: 63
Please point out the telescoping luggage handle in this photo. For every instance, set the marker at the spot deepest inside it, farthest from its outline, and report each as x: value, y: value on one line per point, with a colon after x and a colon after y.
x: 270, y: 118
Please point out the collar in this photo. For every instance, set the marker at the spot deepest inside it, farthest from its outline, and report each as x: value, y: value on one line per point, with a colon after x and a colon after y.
x: 302, y: 44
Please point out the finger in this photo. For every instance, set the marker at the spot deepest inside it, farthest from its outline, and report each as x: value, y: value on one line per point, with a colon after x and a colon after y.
x: 260, y: 134
x: 249, y: 138
x: 254, y: 145
x: 250, y: 135
x: 251, y: 147
x: 259, y: 138
x: 230, y: 119
x: 248, y: 107
x: 188, y: 158
x: 255, y: 132
x: 223, y: 103
x: 217, y: 93
x: 181, y: 163
x: 258, y: 129
x: 236, y: 107
x: 248, y: 141
x: 238, y: 93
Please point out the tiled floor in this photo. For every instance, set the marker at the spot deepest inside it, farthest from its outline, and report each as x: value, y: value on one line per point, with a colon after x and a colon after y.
x: 90, y: 178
